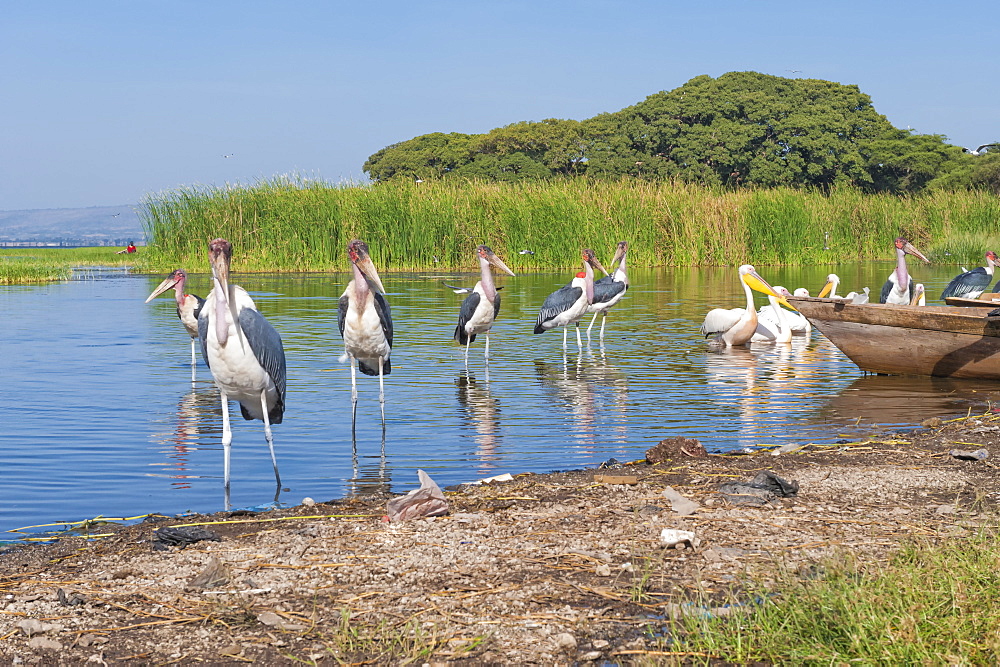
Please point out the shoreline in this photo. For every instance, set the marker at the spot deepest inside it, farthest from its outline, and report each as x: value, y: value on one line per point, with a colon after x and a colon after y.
x: 557, y: 568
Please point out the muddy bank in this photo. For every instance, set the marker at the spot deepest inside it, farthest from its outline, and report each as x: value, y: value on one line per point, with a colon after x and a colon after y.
x: 546, y: 569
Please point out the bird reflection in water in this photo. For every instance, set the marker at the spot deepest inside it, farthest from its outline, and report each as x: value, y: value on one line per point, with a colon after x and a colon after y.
x: 483, y: 412
x: 595, y: 391
x: 198, y: 412
x: 732, y: 372
x: 369, y: 474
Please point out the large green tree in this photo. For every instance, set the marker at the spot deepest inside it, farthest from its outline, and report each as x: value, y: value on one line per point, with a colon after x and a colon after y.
x: 740, y: 129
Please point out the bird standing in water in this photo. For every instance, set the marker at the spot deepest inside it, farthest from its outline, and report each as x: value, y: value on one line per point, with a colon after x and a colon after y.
x: 481, y: 307
x: 244, y: 353
x: 569, y: 303
x: 365, y: 322
x: 188, y: 305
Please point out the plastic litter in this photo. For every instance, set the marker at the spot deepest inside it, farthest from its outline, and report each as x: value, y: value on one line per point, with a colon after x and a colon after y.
x: 671, y: 538
x: 428, y: 500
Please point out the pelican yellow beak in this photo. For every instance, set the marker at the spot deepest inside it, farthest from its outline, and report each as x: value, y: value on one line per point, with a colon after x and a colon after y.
x: 827, y: 288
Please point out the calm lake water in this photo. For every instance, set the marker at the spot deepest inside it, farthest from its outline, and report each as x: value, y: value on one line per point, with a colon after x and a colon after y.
x: 102, y: 417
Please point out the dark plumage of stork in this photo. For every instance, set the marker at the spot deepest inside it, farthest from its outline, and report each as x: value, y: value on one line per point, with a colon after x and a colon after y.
x: 365, y: 322
x: 569, y: 303
x: 481, y: 307
x: 610, y: 289
x: 898, y: 289
x: 188, y: 305
x: 972, y: 283
x: 244, y: 353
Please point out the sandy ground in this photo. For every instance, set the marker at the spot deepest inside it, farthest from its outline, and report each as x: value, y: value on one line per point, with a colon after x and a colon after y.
x: 544, y: 569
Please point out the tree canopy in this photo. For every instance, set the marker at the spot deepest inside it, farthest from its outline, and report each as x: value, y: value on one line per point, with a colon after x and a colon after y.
x: 742, y: 129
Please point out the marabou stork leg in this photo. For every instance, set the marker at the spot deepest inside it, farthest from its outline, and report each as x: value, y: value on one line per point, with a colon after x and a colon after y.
x: 194, y: 359
x: 579, y: 343
x: 269, y: 437
x: 227, y: 441
x: 564, y: 337
x: 592, y: 324
x: 354, y: 384
x: 381, y: 391
x: 486, y: 355
x: 468, y: 342
x: 604, y: 320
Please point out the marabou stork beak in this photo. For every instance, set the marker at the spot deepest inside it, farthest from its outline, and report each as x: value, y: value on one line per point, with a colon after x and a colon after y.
x: 596, y: 263
x: 220, y: 252
x: 364, y: 263
x: 910, y: 250
x: 620, y: 250
x: 168, y: 283
x: 497, y: 262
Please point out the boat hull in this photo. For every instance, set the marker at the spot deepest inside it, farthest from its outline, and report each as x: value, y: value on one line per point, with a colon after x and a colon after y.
x: 939, y: 341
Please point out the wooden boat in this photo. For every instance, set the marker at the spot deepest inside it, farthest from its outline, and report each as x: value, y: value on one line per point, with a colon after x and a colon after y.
x: 990, y: 299
x: 942, y: 341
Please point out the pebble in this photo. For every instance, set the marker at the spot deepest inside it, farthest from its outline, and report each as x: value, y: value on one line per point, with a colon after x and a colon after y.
x: 590, y: 656
x: 565, y: 641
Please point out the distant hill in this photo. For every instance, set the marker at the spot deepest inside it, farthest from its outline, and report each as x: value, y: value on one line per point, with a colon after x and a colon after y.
x: 93, y: 226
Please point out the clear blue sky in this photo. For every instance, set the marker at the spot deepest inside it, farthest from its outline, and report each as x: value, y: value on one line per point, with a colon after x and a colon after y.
x: 103, y: 102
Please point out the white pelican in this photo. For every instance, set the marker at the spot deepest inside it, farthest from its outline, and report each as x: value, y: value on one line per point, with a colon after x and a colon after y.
x: 736, y: 326
x: 482, y: 306
x: 772, y: 327
x: 188, y: 305
x: 971, y: 284
x: 796, y: 322
x: 919, y: 298
x: 898, y: 289
x: 610, y: 289
x: 569, y: 303
x: 365, y: 322
x: 244, y: 353
x: 830, y: 288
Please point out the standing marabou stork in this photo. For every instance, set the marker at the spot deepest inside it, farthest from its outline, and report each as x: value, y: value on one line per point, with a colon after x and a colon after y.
x: 569, y: 303
x: 365, y: 322
x: 244, y: 353
x: 972, y: 283
x: 188, y: 305
x: 482, y: 306
x: 898, y: 289
x: 610, y: 289
x: 736, y: 326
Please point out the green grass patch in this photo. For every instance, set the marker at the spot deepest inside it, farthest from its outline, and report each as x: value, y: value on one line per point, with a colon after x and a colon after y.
x: 929, y: 604
x: 299, y: 225
x: 21, y: 266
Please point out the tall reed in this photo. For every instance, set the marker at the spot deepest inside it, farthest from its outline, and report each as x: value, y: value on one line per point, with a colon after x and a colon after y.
x: 289, y: 224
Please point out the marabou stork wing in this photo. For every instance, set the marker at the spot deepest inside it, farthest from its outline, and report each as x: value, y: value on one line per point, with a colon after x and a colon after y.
x: 496, y: 305
x: 721, y: 320
x: 267, y: 348
x: 203, y: 336
x: 469, y: 306
x: 342, y: 307
x: 384, y: 316
x: 197, y: 309
x: 969, y: 284
x: 557, y: 302
x: 605, y: 291
x: 886, y: 291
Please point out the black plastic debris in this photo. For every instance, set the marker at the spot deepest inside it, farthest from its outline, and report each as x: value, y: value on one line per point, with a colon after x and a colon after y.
x: 763, y: 488
x: 611, y: 464
x: 70, y: 600
x: 181, y: 536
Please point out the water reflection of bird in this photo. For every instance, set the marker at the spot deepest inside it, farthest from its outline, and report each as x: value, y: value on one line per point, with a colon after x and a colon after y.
x: 188, y: 305
x: 569, y: 303
x: 591, y: 388
x: 971, y: 284
x: 194, y: 409
x: 483, y: 411
x: 244, y: 353
x: 736, y: 326
x: 610, y: 289
x: 481, y: 307
x: 365, y: 322
x: 898, y: 289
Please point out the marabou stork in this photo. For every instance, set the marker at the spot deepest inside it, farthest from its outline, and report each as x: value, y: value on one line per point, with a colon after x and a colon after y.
x: 972, y: 283
x: 569, y: 303
x: 610, y: 289
x: 365, y: 322
x: 482, y: 306
x: 736, y: 326
x: 772, y: 327
x: 244, y: 353
x: 188, y: 305
x: 898, y: 289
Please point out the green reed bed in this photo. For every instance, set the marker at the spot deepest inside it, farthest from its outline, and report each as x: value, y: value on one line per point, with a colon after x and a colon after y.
x: 297, y: 225
x: 39, y: 265
x: 930, y: 604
